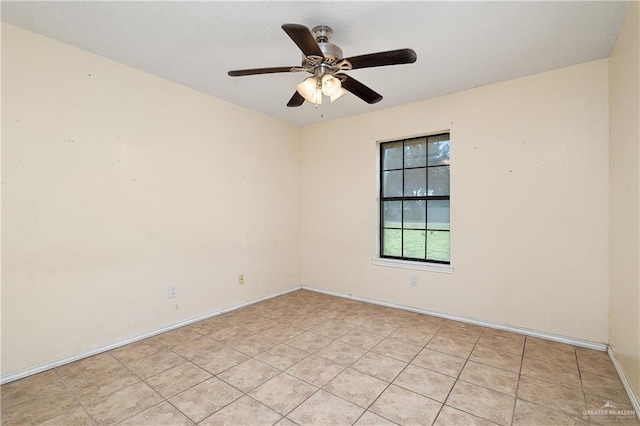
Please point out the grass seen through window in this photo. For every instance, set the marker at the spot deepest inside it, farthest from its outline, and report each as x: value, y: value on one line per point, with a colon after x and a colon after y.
x: 415, y: 209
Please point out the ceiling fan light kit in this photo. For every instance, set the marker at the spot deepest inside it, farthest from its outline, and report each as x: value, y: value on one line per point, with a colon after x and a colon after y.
x: 330, y: 85
x: 324, y: 60
x: 311, y: 90
x: 338, y: 95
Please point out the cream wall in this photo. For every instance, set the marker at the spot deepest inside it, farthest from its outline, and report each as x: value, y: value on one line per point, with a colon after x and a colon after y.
x: 624, y: 151
x: 117, y: 184
x: 529, y: 206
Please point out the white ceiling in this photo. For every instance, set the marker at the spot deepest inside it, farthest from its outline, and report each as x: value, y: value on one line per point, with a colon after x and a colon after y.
x: 460, y: 45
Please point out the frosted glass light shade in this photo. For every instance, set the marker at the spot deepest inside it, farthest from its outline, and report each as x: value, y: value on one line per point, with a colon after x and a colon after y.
x: 316, y: 97
x: 330, y: 85
x: 307, y: 88
x: 338, y: 95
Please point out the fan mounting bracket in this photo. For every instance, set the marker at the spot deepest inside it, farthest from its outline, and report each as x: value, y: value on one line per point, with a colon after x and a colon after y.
x: 322, y: 33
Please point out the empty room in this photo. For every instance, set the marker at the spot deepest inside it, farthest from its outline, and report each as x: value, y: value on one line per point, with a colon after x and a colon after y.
x: 320, y: 213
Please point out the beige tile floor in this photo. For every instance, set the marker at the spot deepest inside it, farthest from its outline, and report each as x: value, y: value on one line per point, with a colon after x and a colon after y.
x: 311, y: 359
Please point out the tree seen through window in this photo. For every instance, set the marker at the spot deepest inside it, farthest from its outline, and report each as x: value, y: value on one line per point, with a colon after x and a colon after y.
x: 415, y: 199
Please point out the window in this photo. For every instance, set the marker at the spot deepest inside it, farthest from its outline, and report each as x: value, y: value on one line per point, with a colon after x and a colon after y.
x: 414, y: 199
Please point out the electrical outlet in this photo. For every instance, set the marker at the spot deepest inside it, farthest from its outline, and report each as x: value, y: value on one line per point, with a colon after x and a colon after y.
x: 240, y: 279
x: 173, y: 291
x: 414, y: 281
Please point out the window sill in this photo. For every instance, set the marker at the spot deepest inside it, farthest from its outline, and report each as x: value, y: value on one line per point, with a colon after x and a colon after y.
x: 407, y: 264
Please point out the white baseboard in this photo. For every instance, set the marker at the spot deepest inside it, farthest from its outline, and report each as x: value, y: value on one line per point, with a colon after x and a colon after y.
x: 632, y: 396
x: 533, y: 333
x: 72, y: 358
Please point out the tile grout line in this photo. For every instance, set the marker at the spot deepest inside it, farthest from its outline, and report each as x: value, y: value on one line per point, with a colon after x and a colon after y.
x: 75, y: 397
x: 551, y: 383
x: 584, y: 396
x: 247, y: 393
x: 376, y: 398
x: 467, y: 359
x: 151, y: 387
x: 513, y: 413
x: 338, y: 311
x: 321, y: 388
x: 187, y: 361
x: 122, y: 364
x: 386, y: 387
x: 139, y: 378
x: 318, y: 389
x: 349, y: 366
x: 398, y: 375
x: 458, y: 379
x: 425, y: 345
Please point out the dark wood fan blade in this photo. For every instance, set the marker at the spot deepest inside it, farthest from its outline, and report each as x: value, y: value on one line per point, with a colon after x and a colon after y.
x: 296, y: 100
x: 360, y: 90
x: 381, y: 59
x: 303, y: 38
x: 256, y: 71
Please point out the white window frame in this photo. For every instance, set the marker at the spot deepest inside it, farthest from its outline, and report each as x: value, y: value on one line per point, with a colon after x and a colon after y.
x: 403, y: 263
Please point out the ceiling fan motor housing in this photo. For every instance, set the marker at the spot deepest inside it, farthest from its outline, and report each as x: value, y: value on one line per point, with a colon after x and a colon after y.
x: 322, y: 34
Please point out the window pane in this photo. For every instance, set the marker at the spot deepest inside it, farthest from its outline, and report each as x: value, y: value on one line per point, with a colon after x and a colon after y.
x: 438, y: 180
x: 438, y: 245
x: 392, y: 214
x: 438, y: 214
x: 415, y: 182
x: 439, y: 138
x: 392, y: 156
x: 438, y: 152
x: 415, y: 153
x: 414, y: 244
x: 414, y: 214
x: 392, y: 184
x: 392, y: 242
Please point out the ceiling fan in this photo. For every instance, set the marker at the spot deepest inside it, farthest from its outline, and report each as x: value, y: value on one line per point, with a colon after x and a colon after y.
x: 324, y: 61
